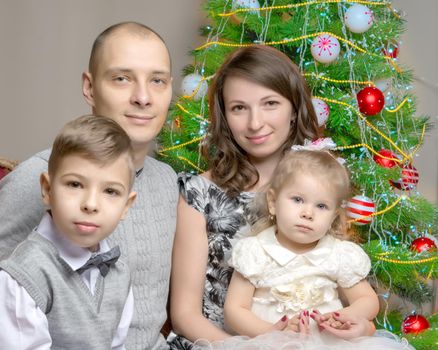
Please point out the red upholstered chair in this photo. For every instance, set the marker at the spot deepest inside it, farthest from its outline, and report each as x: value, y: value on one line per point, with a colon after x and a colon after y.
x: 6, y: 166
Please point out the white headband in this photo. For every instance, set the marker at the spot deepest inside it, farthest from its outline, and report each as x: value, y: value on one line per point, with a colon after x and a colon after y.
x: 323, y: 144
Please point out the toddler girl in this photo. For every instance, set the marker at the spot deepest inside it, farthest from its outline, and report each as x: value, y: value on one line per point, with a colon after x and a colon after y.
x: 294, y: 267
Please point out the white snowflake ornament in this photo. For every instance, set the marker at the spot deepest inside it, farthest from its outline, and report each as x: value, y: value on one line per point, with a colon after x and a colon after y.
x: 383, y: 84
x: 325, y: 48
x: 321, y: 109
x: 193, y: 85
x: 247, y: 4
x: 358, y: 18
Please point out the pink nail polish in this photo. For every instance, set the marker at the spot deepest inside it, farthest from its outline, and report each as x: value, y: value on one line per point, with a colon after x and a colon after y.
x: 337, y: 313
x: 284, y: 318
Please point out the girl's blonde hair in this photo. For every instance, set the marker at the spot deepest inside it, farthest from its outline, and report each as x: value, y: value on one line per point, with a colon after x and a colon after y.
x: 321, y: 164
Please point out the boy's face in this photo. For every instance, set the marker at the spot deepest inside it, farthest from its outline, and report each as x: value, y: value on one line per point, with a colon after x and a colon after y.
x: 87, y: 200
x: 132, y: 85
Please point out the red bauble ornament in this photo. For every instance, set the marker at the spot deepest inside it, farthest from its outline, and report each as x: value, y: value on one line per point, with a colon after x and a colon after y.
x: 423, y: 244
x: 382, y: 158
x: 177, y: 122
x: 370, y: 100
x: 415, y: 324
x: 409, y: 178
x: 391, y: 51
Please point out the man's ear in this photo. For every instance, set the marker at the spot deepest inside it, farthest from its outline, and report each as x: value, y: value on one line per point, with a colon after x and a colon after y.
x: 270, y: 198
x: 131, y: 199
x: 87, y: 88
x: 45, y: 188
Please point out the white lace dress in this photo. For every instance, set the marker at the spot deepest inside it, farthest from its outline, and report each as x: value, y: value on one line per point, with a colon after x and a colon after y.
x: 287, y: 283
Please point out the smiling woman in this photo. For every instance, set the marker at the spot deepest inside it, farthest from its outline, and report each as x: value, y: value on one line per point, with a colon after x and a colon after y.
x: 259, y: 107
x: 258, y: 118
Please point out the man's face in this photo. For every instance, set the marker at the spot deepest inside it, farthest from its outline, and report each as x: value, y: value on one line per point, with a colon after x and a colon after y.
x: 132, y: 85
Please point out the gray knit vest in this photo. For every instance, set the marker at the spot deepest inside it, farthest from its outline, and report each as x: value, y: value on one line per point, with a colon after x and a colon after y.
x: 77, y: 319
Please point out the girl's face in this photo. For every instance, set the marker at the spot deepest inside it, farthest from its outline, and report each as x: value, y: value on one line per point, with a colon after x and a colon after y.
x: 259, y: 118
x: 305, y: 208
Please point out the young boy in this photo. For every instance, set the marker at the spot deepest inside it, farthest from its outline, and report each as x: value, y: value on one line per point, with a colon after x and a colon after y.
x: 53, y: 294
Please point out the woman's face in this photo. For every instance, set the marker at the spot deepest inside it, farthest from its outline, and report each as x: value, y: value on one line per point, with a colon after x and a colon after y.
x: 259, y: 118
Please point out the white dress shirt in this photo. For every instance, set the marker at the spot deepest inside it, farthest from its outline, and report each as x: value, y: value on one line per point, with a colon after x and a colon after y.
x: 23, y: 325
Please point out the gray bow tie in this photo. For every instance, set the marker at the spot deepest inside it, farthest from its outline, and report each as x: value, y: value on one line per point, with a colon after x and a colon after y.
x: 102, y: 261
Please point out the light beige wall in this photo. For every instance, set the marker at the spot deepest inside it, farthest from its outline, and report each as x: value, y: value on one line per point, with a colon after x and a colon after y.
x: 44, y: 47
x: 419, y: 51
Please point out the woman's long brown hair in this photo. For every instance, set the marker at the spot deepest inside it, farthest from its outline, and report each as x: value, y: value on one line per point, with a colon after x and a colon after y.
x: 228, y: 162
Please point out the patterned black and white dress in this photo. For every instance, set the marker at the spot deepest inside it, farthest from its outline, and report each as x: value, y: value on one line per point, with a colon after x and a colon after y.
x: 228, y: 219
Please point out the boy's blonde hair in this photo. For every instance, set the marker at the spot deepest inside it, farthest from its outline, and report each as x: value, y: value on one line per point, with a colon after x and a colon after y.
x: 99, y: 139
x: 320, y: 164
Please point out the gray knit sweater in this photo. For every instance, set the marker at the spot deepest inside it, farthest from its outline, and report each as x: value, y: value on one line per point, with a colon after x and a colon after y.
x: 77, y: 319
x: 145, y: 236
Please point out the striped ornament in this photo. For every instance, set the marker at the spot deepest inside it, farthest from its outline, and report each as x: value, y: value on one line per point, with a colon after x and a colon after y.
x: 360, y: 207
x: 409, y: 178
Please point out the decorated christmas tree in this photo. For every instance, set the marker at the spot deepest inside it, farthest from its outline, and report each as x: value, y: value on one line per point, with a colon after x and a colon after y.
x: 347, y: 50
